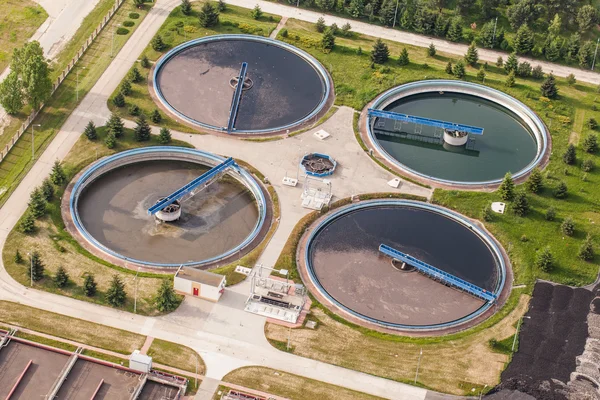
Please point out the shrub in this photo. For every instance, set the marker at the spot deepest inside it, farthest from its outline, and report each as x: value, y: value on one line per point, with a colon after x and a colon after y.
x: 571, y: 80
x: 510, y: 79
x: 110, y: 141
x: 134, y: 15
x: 36, y: 268
x: 135, y: 75
x: 403, y: 59
x: 535, y: 180
x: 125, y: 88
x: 472, y: 55
x: 122, y: 31
x: 487, y: 214
x: 544, y: 260
x: 590, y: 144
x: 561, y: 191
x: 569, y: 155
x: 549, y: 88
x: 158, y: 44
x: 156, y: 117
x: 459, y: 69
x: 165, y: 136
x: 328, y: 40
x: 568, y: 226
x: 499, y: 62
x: 144, y: 62
x: 481, y: 74
x: 208, y: 16
x: 431, y: 50
x: 221, y: 5
x: 18, y: 259
x: 134, y: 110
x: 256, y: 12
x: 47, y: 189
x: 142, y: 130
x: 586, y: 251
x: 119, y: 100
x: 61, y: 278
x: 57, y: 175
x: 186, y: 7
x: 89, y: 285
x: 592, y: 123
x: 587, y: 165
x: 128, y: 24
x: 507, y: 188
x: 537, y: 72
x: 380, y: 52
x: 346, y: 30
x: 550, y: 214
x: 524, y: 70
x: 284, y: 33
x: 449, y: 68
x: 115, y: 295
x: 27, y: 224
x: 520, y: 204
x: 166, y: 299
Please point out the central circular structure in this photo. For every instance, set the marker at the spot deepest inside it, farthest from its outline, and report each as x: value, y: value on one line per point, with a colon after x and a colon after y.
x: 109, y: 206
x: 319, y: 165
x: 514, y: 138
x: 344, y: 266
x: 284, y: 87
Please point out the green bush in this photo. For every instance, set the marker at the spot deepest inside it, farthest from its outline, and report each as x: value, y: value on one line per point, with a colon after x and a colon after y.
x: 284, y: 33
x: 544, y: 260
x: 568, y: 226
x: 134, y: 15
x: 122, y: 31
x: 550, y: 214
x: 128, y: 24
x: 587, y: 165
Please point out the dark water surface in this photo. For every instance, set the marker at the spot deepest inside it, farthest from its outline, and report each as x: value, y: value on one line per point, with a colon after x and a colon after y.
x: 114, y: 211
x: 506, y: 144
x: 286, y: 88
x: 346, y: 260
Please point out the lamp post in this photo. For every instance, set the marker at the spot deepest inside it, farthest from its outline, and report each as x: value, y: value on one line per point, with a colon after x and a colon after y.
x: 595, y: 52
x: 418, y: 365
x: 135, y: 291
x: 481, y: 392
x: 395, y: 14
x: 30, y: 269
x: 112, y: 46
x: 494, y: 36
x: 33, y: 141
x: 77, y: 91
x: 517, y: 332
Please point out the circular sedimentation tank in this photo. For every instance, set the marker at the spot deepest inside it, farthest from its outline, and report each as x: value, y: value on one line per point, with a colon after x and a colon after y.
x: 109, y: 205
x: 514, y: 139
x: 344, y: 267
x: 284, y: 87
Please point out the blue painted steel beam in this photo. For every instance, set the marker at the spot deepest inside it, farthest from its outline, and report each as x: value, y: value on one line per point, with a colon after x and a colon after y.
x: 425, y: 121
x: 438, y: 274
x: 237, y: 96
x: 186, y: 189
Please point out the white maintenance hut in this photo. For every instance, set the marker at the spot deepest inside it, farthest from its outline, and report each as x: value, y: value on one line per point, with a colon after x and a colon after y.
x: 140, y: 362
x: 198, y: 283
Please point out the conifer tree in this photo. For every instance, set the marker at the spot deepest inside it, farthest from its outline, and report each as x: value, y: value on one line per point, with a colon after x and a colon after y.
x: 380, y: 52
x: 507, y: 188
x: 90, y: 131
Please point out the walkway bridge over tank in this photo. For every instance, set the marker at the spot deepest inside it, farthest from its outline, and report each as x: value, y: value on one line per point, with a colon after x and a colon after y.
x: 450, y: 126
x: 195, y: 186
x: 438, y: 274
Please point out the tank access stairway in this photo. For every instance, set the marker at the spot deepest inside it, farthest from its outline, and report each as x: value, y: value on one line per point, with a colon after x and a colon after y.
x: 451, y: 126
x: 197, y: 185
x: 438, y: 274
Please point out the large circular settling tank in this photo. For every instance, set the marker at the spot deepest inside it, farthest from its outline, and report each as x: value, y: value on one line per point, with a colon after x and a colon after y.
x: 513, y: 140
x: 345, y: 265
x: 284, y: 86
x: 110, y: 202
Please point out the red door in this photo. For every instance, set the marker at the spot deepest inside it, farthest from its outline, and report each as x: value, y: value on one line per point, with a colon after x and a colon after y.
x: 195, y: 291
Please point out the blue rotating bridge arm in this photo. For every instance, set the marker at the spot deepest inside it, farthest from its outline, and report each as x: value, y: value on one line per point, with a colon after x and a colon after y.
x: 438, y: 274
x: 192, y: 187
x: 425, y: 121
x: 237, y: 96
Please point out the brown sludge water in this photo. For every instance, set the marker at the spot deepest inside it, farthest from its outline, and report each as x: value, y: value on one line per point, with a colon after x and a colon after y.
x: 113, y: 209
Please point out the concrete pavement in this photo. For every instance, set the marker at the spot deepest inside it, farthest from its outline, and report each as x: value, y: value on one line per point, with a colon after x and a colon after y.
x: 410, y: 38
x: 226, y: 337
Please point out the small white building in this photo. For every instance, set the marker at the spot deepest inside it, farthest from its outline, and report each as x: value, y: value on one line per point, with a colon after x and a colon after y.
x: 198, y: 283
x: 140, y: 362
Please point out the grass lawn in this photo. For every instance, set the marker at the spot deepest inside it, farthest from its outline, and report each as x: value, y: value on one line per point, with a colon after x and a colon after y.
x: 291, y: 386
x: 454, y: 364
x: 356, y: 83
x: 177, y: 356
x: 19, y: 19
x: 58, y: 248
x: 70, y: 328
x: 179, y: 28
x: 91, y: 66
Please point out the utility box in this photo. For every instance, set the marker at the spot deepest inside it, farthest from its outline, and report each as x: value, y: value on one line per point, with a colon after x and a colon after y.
x: 199, y: 283
x: 140, y: 362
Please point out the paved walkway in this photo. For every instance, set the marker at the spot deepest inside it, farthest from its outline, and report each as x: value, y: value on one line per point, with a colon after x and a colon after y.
x: 225, y: 336
x: 409, y: 38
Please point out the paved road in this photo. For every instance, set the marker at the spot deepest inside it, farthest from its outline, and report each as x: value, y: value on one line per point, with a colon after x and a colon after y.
x: 223, y: 334
x: 409, y: 38
x: 64, y: 18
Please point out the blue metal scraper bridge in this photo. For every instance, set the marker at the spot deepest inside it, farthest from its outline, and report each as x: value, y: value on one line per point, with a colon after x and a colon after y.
x: 237, y: 97
x: 438, y: 274
x: 196, y: 185
x: 425, y: 121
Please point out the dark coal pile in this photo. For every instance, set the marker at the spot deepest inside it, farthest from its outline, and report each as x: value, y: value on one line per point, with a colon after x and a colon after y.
x: 557, y: 356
